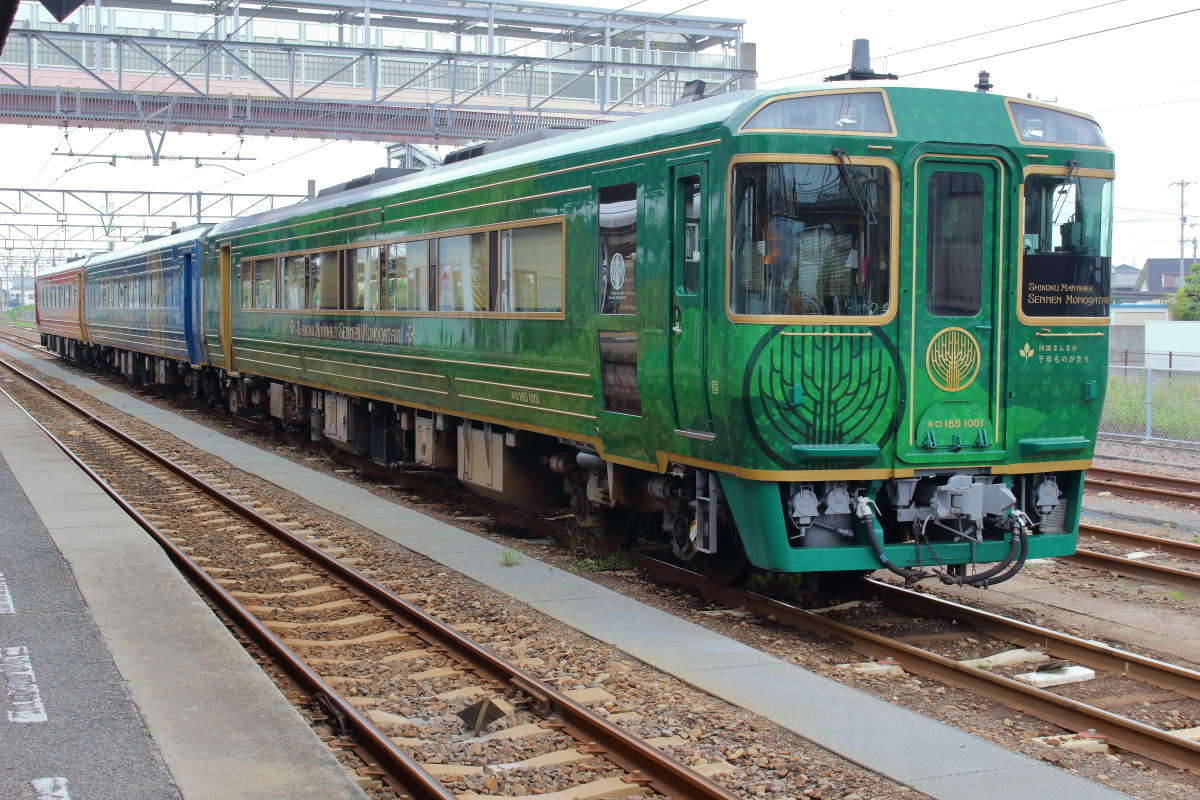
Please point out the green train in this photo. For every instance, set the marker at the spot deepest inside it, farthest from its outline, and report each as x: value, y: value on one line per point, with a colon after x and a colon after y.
x: 823, y: 330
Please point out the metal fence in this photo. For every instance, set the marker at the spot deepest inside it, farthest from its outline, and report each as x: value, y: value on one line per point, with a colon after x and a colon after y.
x: 1153, y: 395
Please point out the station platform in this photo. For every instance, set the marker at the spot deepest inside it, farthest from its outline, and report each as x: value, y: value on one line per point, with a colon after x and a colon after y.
x: 936, y: 759
x: 119, y: 682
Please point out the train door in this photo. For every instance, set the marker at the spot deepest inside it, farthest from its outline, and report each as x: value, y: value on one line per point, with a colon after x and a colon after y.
x: 81, y: 303
x: 957, y: 309
x: 190, y: 329
x: 688, y: 314
x: 623, y: 286
x: 226, y: 289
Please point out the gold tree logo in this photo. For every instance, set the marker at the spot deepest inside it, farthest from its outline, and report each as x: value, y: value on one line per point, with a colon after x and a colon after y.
x: 952, y: 359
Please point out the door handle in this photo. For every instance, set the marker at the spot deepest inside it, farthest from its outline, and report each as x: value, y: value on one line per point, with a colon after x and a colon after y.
x: 676, y: 320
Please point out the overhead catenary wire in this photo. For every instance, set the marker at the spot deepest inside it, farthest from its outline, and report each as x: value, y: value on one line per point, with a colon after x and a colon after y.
x: 954, y: 40
x: 163, y: 91
x: 1149, y: 105
x: 1147, y: 210
x: 1063, y: 40
x: 160, y: 93
x: 274, y: 164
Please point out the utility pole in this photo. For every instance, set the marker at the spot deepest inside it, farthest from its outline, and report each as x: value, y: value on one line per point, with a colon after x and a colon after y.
x: 1182, y: 184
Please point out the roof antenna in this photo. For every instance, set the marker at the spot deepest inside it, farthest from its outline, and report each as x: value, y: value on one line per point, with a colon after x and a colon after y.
x: 985, y: 83
x: 860, y: 65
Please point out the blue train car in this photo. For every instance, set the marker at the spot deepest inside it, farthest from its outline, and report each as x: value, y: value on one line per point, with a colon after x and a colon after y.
x: 146, y: 300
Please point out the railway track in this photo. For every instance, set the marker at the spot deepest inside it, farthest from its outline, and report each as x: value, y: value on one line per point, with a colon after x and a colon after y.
x: 1143, y: 547
x: 387, y: 673
x: 1144, y: 486
x: 1072, y: 714
x: 1123, y: 668
x: 19, y: 334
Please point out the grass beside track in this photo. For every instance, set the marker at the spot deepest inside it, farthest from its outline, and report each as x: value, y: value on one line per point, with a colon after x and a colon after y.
x: 1175, y: 400
x: 18, y: 315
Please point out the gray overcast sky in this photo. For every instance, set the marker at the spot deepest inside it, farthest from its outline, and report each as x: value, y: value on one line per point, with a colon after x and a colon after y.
x: 1141, y: 82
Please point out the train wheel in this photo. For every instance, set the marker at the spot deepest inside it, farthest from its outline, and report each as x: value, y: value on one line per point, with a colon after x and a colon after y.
x: 729, y: 566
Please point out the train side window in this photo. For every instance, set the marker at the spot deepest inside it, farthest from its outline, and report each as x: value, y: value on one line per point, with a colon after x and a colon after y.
x: 464, y: 272
x: 618, y: 371
x: 858, y: 112
x: 954, y: 244
x: 1067, y: 246
x: 264, y: 283
x: 324, y: 280
x: 292, y: 294
x: 246, y: 279
x: 689, y: 189
x: 531, y: 269
x: 406, y: 276
x: 617, y: 268
x: 362, y: 278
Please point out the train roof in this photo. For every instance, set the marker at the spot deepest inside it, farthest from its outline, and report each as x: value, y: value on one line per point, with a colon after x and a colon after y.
x: 729, y: 109
x: 58, y: 273
x: 184, y: 237
x: 709, y: 112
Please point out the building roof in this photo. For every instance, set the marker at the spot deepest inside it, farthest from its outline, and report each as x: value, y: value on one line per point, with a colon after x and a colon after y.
x: 1151, y: 279
x: 1125, y: 276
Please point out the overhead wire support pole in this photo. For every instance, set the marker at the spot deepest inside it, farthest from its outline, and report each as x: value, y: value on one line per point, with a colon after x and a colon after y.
x: 1182, y: 184
x: 84, y: 220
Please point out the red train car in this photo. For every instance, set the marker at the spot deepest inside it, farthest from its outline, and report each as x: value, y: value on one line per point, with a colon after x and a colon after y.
x: 59, y: 301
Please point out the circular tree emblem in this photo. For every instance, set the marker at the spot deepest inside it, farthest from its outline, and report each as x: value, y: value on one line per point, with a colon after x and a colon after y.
x: 616, y: 271
x: 952, y: 359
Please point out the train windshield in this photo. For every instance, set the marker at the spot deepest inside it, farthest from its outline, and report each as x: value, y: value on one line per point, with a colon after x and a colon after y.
x: 811, y: 240
x: 1067, y: 246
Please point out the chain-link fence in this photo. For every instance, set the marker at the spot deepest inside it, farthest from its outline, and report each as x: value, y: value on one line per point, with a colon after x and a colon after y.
x: 1153, y: 396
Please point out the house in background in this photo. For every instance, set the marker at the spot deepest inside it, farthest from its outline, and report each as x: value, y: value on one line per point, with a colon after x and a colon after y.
x: 15, y: 291
x: 1160, y: 276
x: 1123, y: 282
x: 1125, y: 276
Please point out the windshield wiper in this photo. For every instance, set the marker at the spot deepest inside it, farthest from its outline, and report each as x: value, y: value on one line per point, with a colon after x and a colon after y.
x: 1072, y: 168
x: 851, y: 180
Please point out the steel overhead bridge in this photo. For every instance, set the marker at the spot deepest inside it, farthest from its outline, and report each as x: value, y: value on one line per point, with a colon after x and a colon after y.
x: 423, y: 72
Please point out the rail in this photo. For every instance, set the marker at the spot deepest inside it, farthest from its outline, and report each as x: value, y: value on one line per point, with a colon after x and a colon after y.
x: 1071, y: 714
x: 661, y: 772
x: 1142, y: 485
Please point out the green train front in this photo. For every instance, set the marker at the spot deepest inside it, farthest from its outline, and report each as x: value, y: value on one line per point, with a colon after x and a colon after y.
x: 913, y: 345
x: 825, y: 330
